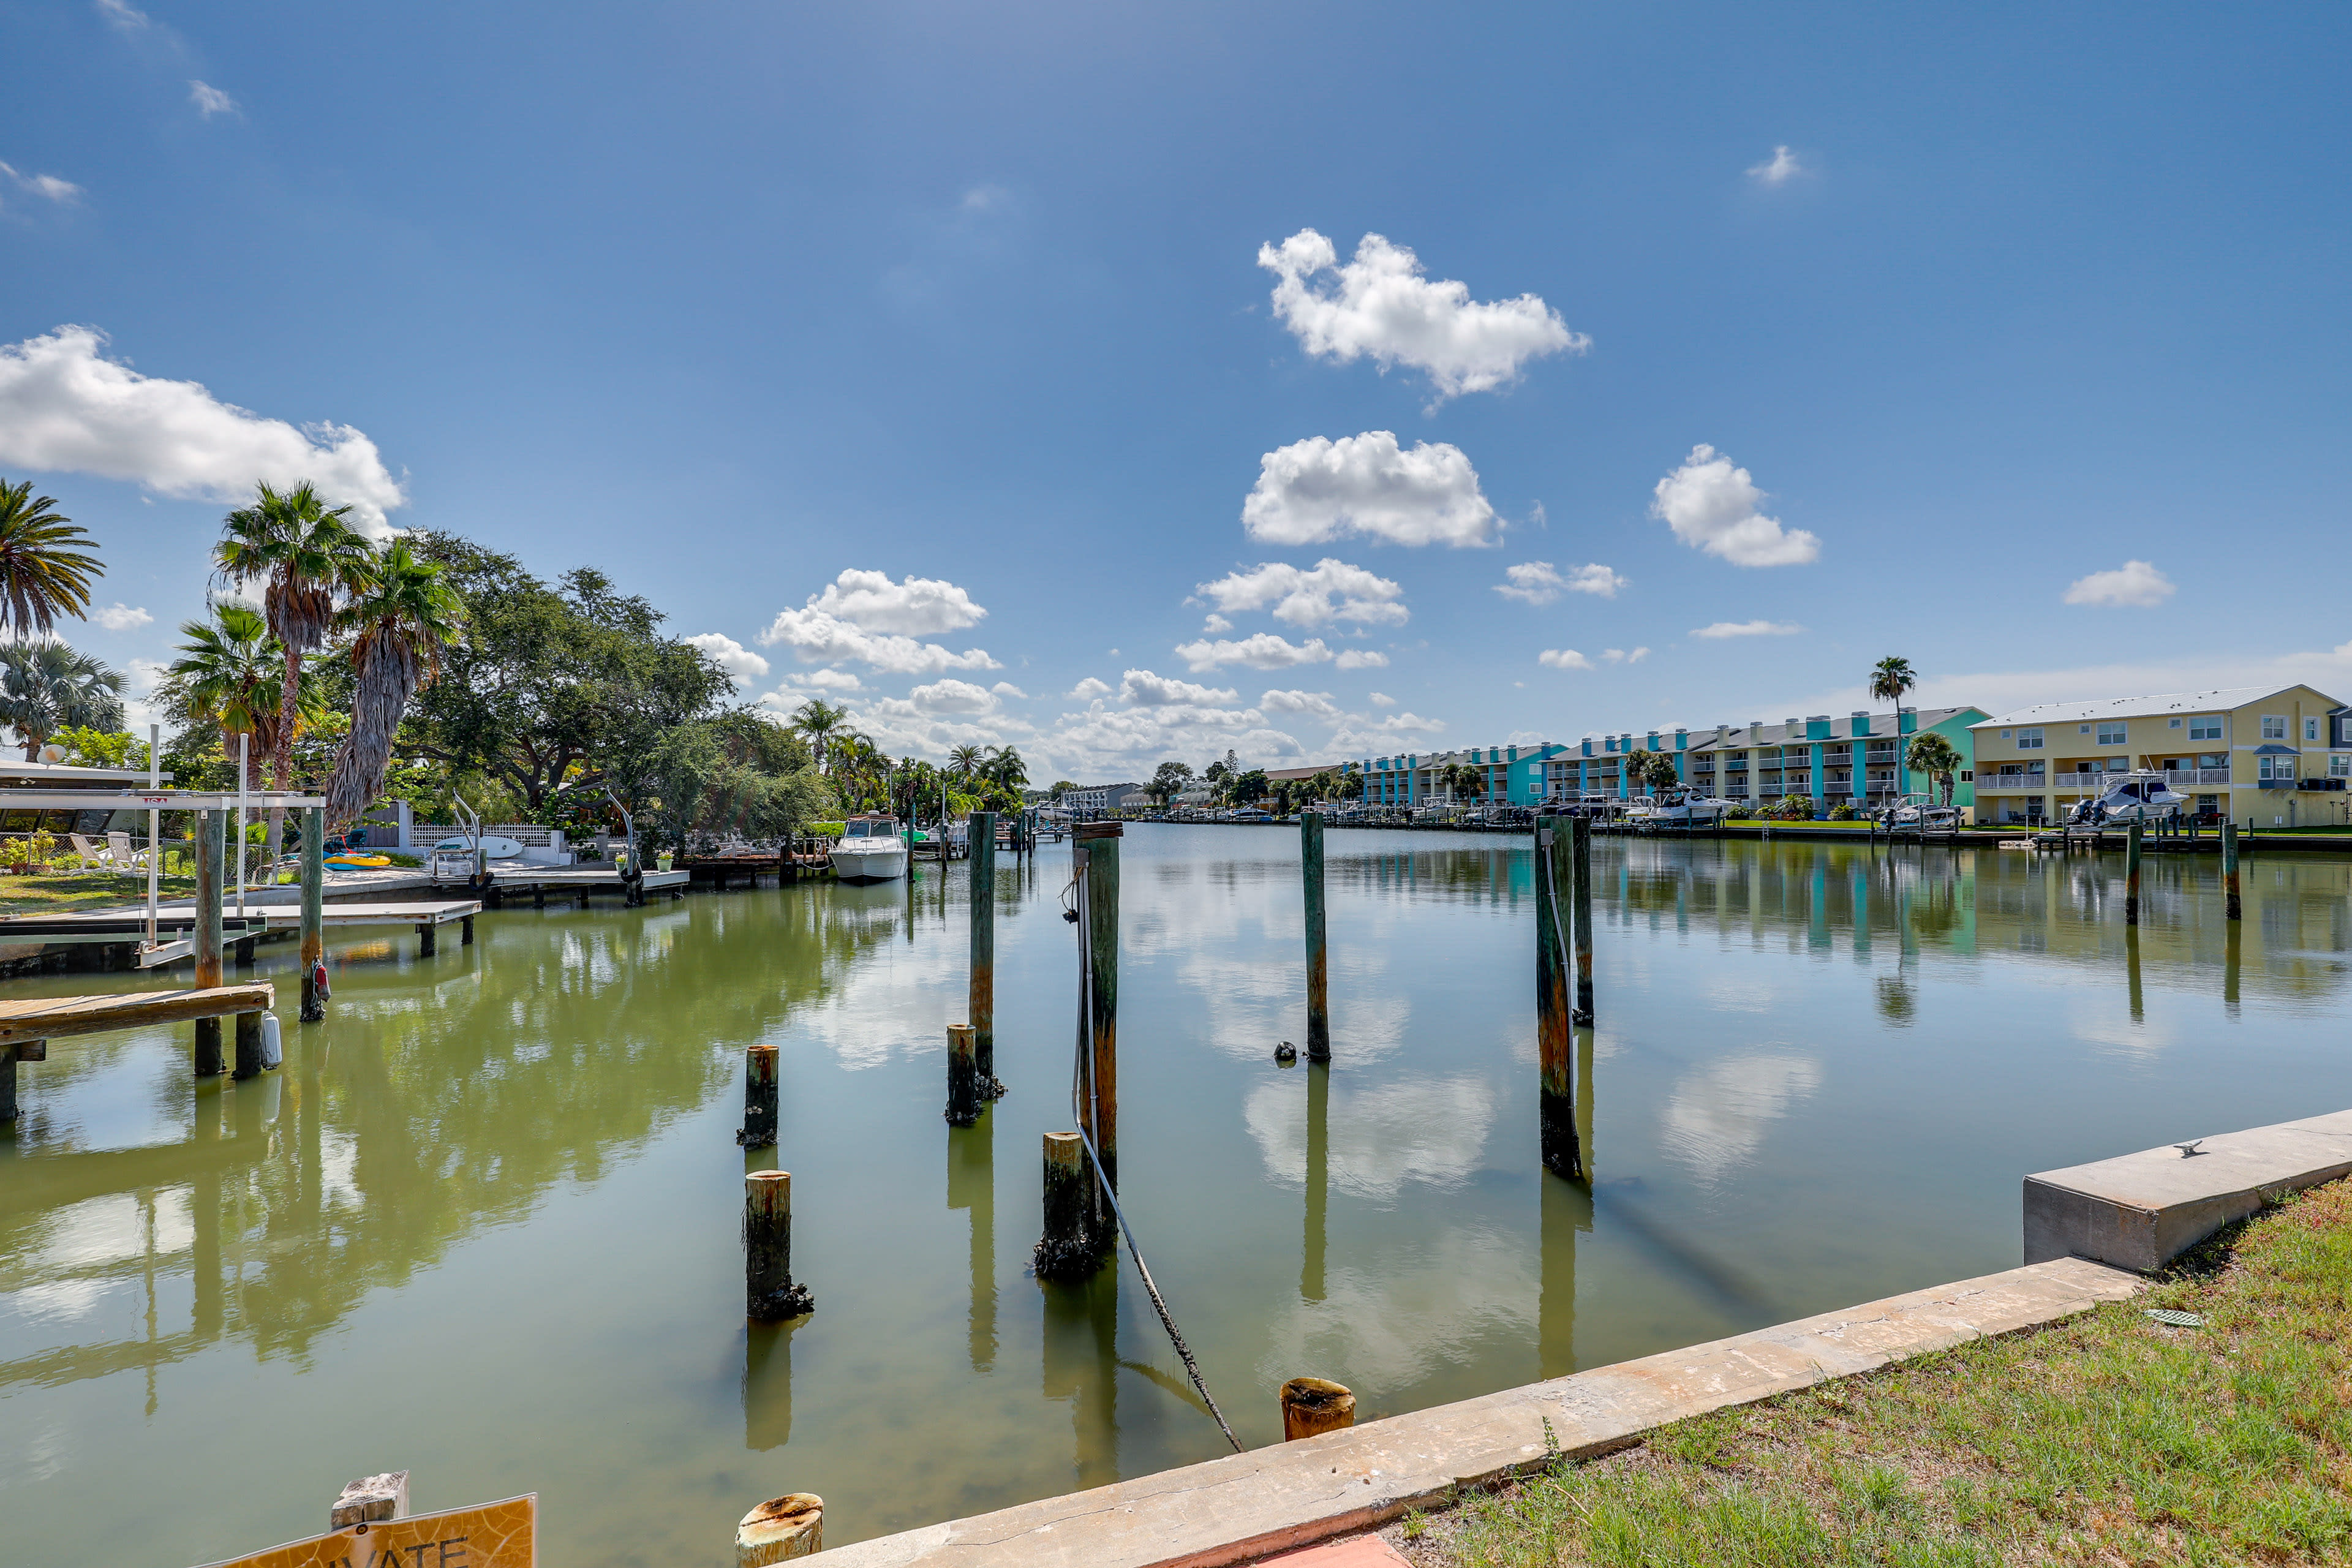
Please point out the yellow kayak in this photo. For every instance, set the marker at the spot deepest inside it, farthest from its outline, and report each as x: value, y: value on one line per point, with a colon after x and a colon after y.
x: 359, y: 862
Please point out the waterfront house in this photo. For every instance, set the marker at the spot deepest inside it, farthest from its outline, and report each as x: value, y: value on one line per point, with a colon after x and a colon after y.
x: 2273, y: 756
x: 1513, y: 775
x: 1861, y: 759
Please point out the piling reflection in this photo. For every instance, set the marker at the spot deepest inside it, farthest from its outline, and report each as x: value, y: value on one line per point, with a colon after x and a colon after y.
x: 971, y: 1186
x: 1080, y: 1367
x: 1566, y: 1210
x: 1318, y: 1163
x: 768, y: 1383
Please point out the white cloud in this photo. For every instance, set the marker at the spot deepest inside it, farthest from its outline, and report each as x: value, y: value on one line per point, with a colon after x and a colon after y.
x: 1380, y: 305
x: 1089, y: 688
x: 65, y: 408
x: 122, y: 618
x: 1747, y: 629
x: 1333, y: 591
x: 122, y: 15
x: 1267, y: 650
x: 1141, y: 688
x: 47, y: 186
x: 2135, y: 582
x: 1779, y: 169
x: 1710, y: 504
x: 210, y: 100
x: 138, y: 706
x: 1006, y: 689
x: 918, y: 604
x: 1318, y: 703
x: 1382, y: 700
x: 983, y: 198
x: 816, y: 637
x: 1357, y: 735
x: 730, y: 656
x: 1362, y: 658
x: 828, y: 681
x: 1619, y: 655
x: 1216, y: 624
x: 1539, y: 583
x: 1123, y: 742
x: 1319, y: 488
x: 952, y: 696
x: 1564, y: 658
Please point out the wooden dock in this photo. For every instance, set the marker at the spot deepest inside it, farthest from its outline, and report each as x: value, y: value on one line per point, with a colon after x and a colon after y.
x: 28, y: 1024
x: 574, y: 882
x: 175, y: 926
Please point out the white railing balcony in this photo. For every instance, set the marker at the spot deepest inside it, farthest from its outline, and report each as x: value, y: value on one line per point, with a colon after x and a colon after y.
x: 2011, y: 783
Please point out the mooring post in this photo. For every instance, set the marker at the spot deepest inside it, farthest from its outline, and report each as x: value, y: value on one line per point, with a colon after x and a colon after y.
x: 1580, y: 914
x: 22, y: 1051
x: 314, y: 911
x: 211, y: 850
x: 963, y: 1075
x: 428, y: 938
x: 759, y: 1130
x: 770, y: 1295
x: 1314, y: 1405
x: 1098, y: 841
x: 780, y: 1530
x: 249, y: 1045
x: 982, y: 1004
x: 1319, y: 970
x: 371, y: 1499
x: 1067, y: 1249
x: 465, y: 923
x: 2131, y: 876
x: 1554, y: 1037
x: 2231, y: 906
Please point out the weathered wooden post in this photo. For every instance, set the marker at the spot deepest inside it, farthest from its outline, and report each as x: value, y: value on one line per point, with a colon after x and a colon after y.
x: 982, y: 1004
x: 1098, y: 842
x: 1066, y: 1250
x: 770, y: 1295
x: 371, y: 1499
x: 963, y: 1075
x: 2231, y: 905
x: 2131, y: 876
x: 1319, y: 970
x: 1314, y: 1405
x: 758, y: 1129
x: 780, y: 1530
x: 429, y: 938
x: 249, y: 1045
x: 466, y: 924
x: 1555, y: 1038
x: 314, y: 912
x: 1580, y: 831
x: 22, y: 1051
x: 211, y: 826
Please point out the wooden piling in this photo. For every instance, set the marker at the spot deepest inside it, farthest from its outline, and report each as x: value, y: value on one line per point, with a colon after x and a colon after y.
x: 963, y: 1075
x: 249, y: 1045
x: 770, y: 1295
x: 371, y: 1499
x: 314, y: 911
x: 465, y: 923
x: 428, y: 938
x: 1314, y: 1405
x: 22, y: 1051
x: 1554, y: 1037
x: 2131, y: 876
x: 1098, y: 841
x: 982, y: 1004
x: 1319, y: 970
x: 2231, y: 904
x: 780, y: 1530
x: 211, y: 852
x: 1066, y: 1250
x: 759, y: 1118
x: 1580, y: 913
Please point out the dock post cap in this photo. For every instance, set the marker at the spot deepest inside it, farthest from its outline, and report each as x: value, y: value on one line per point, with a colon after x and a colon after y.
x: 1314, y: 1405
x: 780, y: 1529
x: 370, y: 1499
x: 1086, y: 831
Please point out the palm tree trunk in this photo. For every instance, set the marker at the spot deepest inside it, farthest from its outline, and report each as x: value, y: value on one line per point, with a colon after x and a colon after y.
x: 281, y: 759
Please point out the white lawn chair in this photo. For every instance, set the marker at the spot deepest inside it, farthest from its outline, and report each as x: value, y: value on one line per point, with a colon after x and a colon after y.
x: 120, y: 856
x: 92, y: 852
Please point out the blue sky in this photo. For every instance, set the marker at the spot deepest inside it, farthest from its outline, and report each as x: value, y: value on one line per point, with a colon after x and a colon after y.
x: 1976, y: 313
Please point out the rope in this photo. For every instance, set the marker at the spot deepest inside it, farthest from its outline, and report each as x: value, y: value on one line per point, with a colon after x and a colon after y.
x: 1073, y: 899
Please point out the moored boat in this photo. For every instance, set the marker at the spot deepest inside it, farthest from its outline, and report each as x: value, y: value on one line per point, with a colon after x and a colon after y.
x: 869, y: 850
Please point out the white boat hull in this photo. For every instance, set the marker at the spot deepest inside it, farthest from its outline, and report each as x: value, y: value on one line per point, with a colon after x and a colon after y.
x: 882, y: 861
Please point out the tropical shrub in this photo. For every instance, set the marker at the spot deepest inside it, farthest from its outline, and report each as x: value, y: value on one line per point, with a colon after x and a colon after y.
x: 1841, y: 812
x: 1794, y: 808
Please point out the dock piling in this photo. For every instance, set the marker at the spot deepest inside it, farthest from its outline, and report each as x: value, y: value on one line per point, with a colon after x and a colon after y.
x: 1066, y: 1250
x: 22, y: 1051
x: 211, y: 851
x: 249, y: 1045
x: 2231, y: 904
x: 780, y: 1530
x: 1580, y: 914
x: 983, y: 1003
x: 1098, y: 844
x: 963, y: 1075
x: 1314, y: 1405
x: 428, y: 938
x: 2131, y: 876
x: 770, y: 1295
x: 371, y: 1499
x: 1319, y: 970
x: 467, y: 925
x: 1555, y: 1042
x: 314, y: 911
x: 759, y: 1118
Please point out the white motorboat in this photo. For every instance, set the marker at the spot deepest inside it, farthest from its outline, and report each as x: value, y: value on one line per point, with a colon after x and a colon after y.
x: 2140, y: 795
x: 1921, y: 813
x: 1677, y: 808
x: 869, y: 850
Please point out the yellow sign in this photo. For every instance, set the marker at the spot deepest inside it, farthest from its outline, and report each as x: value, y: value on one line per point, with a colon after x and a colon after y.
x: 495, y: 1535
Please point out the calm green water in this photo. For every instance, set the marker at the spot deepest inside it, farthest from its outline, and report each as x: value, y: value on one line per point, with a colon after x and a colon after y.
x: 483, y: 1224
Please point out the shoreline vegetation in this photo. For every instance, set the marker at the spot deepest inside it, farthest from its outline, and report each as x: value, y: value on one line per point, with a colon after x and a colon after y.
x: 2113, y: 1438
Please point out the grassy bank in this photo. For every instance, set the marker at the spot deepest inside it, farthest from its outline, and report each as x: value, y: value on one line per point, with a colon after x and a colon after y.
x: 53, y: 895
x: 2112, y: 1439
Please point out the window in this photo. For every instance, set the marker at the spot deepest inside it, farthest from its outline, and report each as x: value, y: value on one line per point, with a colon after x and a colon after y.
x: 2311, y: 729
x: 2207, y: 728
x: 2274, y: 727
x: 2278, y: 767
x: 2173, y: 724
x: 2111, y: 733
x: 2008, y: 734
x: 2212, y: 759
x: 2029, y: 739
x: 2082, y: 729
x: 2339, y: 766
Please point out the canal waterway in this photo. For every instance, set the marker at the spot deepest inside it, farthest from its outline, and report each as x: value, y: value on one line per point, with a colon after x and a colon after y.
x: 483, y: 1224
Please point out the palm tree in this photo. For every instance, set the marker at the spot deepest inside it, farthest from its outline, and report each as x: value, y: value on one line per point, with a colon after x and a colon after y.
x: 1890, y: 677
x: 400, y: 617
x: 818, y: 719
x: 1938, y: 759
x: 225, y: 675
x: 1004, y: 767
x: 46, y: 687
x: 963, y: 761
x: 43, y: 574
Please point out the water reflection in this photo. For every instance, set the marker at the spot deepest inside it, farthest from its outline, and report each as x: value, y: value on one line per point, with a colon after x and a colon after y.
x: 971, y: 1186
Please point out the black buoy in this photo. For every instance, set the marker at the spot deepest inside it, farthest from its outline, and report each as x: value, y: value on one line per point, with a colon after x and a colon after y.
x: 1286, y: 1053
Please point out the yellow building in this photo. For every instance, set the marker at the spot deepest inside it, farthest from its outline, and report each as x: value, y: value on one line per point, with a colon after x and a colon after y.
x: 2271, y: 756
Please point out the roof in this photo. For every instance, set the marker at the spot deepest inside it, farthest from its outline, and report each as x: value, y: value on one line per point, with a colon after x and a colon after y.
x: 2162, y: 705
x: 1881, y: 727
x: 1276, y: 775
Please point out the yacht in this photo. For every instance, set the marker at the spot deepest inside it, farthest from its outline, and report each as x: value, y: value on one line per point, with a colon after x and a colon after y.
x: 1677, y: 808
x: 1920, y: 812
x: 869, y: 850
x: 2140, y: 795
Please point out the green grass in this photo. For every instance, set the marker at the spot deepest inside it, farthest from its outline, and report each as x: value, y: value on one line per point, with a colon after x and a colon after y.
x: 2108, y: 1440
x: 49, y: 895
